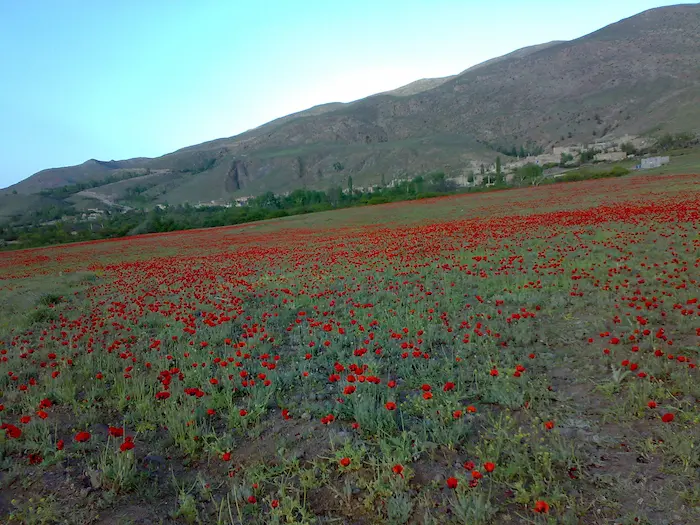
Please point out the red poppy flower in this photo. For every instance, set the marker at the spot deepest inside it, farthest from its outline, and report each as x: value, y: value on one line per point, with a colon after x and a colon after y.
x: 667, y: 418
x: 344, y: 462
x: 243, y: 412
x: 476, y: 474
x: 452, y: 483
x: 651, y: 404
x: 82, y: 437
x: 127, y: 445
x: 398, y: 470
x: 252, y: 500
x: 489, y: 467
x: 11, y: 431
x: 471, y: 409
x: 390, y: 405
x: 60, y: 444
x: 469, y: 465
x: 494, y: 372
x: 541, y: 507
x: 116, y: 431
x: 549, y: 425
x: 448, y: 386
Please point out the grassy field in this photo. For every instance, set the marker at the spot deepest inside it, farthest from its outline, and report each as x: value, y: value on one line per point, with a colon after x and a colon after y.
x: 524, y: 356
x: 683, y: 162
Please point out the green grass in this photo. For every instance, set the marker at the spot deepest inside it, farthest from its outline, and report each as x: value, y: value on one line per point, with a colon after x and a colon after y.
x: 682, y: 162
x: 28, y: 301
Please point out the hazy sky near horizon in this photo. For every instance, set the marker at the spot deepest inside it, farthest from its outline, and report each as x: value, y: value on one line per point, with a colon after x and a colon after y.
x: 141, y: 78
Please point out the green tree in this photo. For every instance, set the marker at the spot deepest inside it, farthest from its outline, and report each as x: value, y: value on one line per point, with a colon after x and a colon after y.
x: 267, y: 200
x: 350, y: 190
x: 528, y: 174
x: 628, y: 148
x: 419, y: 183
x: 498, y: 165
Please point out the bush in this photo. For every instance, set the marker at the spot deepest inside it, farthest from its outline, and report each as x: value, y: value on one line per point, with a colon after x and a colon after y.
x: 378, y: 200
x: 42, y: 315
x: 618, y: 171
x: 50, y: 299
x: 678, y: 141
x: 584, y: 174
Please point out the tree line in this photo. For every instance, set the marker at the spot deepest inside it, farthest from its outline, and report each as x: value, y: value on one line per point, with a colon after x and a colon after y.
x: 183, y: 217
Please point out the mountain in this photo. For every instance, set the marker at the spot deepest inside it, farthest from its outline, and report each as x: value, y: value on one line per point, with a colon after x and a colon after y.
x: 637, y: 76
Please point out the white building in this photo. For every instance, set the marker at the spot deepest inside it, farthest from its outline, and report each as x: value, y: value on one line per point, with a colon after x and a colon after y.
x: 654, y: 162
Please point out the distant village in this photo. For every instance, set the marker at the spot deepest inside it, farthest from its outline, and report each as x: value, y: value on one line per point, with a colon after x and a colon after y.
x: 605, y: 151
x: 559, y: 161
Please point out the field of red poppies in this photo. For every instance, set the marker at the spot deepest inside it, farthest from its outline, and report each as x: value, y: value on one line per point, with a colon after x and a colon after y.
x: 525, y: 356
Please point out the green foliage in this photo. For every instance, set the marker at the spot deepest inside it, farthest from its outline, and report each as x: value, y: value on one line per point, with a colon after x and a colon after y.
x: 41, y: 315
x: 565, y: 158
x: 587, y: 155
x: 584, y: 174
x: 525, y: 150
x: 678, y: 141
x: 628, y: 148
x: 50, y: 299
x: 528, y: 173
x: 266, y: 206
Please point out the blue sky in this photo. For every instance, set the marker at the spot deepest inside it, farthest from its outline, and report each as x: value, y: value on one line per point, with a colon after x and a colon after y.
x: 113, y: 80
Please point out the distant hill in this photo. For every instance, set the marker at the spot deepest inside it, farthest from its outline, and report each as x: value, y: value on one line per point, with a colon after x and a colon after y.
x: 637, y: 76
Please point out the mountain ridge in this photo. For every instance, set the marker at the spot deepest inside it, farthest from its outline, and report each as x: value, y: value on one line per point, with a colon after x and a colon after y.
x: 638, y: 75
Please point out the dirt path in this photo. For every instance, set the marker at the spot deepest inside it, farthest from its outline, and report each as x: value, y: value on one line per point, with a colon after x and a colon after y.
x: 103, y: 199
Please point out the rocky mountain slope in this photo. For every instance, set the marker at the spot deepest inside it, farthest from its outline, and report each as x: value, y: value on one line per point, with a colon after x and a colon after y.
x: 637, y: 76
